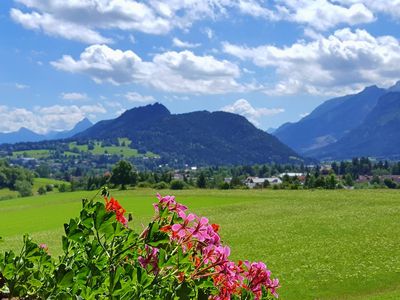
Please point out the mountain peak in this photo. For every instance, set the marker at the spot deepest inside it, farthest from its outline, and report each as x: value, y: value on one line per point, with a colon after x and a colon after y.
x: 395, y: 87
x: 25, y: 130
x: 370, y: 88
x: 147, y: 112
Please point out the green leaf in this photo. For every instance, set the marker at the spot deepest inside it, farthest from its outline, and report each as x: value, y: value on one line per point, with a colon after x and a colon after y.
x: 67, y: 279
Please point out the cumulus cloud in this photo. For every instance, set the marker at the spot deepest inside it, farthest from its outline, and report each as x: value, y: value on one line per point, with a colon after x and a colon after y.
x: 324, y: 14
x: 255, y: 9
x: 82, y: 20
x: 181, y: 44
x: 136, y: 97
x: 180, y: 72
x: 244, y: 108
x: 45, y: 119
x: 391, y: 7
x: 50, y: 25
x: 74, y: 96
x: 85, y: 20
x: 341, y: 63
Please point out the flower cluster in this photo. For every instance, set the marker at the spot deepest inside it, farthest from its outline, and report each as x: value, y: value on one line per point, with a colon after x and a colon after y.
x: 201, y: 241
x: 113, y: 205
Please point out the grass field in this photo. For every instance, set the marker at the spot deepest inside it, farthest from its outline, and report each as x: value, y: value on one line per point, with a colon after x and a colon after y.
x: 41, y: 153
x: 123, y: 149
x: 38, y: 182
x: 320, y: 244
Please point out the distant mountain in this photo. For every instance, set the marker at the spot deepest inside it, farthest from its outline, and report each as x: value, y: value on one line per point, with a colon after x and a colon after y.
x: 200, y: 137
x: 329, y: 122
x: 377, y: 136
x: 26, y: 135
x: 22, y: 135
x: 79, y: 127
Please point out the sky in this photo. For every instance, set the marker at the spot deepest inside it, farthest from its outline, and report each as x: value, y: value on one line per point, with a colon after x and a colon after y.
x: 272, y: 61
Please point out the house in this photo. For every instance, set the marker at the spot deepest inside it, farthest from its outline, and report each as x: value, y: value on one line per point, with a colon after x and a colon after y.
x: 291, y: 174
x: 274, y: 180
x: 252, y: 182
x: 364, y: 179
x: 228, y: 180
x: 177, y: 176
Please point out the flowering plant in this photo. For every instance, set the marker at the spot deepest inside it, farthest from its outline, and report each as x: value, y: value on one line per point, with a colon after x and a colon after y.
x: 177, y: 256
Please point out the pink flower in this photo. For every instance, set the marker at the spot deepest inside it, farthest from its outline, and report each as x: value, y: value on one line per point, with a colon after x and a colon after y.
x: 151, y: 258
x: 170, y: 203
x: 183, y: 230
x: 44, y: 247
x: 258, y: 276
x: 200, y: 230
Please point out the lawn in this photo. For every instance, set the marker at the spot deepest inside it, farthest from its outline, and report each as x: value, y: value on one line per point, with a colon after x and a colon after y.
x: 41, y: 153
x: 123, y: 149
x: 7, y: 193
x: 38, y: 182
x: 320, y: 244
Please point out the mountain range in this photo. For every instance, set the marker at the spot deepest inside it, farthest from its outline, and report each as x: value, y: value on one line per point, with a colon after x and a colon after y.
x: 377, y: 136
x: 362, y: 124
x: 26, y: 135
x: 201, y: 137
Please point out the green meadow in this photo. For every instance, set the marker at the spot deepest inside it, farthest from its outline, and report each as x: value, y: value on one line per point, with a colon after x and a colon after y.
x: 320, y: 244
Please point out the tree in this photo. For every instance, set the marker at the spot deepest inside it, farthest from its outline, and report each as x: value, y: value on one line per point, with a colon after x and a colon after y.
x: 43, y: 170
x: 348, y: 180
x: 24, y: 188
x: 330, y: 182
x: 123, y: 174
x: 201, y: 181
x: 390, y: 183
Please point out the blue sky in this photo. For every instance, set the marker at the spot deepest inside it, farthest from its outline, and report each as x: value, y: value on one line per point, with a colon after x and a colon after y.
x: 271, y: 61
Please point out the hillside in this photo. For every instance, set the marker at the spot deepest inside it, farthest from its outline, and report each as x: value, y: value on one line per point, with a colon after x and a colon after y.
x: 200, y: 137
x: 329, y: 122
x: 378, y: 135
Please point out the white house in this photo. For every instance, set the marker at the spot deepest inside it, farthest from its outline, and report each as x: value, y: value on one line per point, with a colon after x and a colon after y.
x: 252, y: 182
x: 291, y: 174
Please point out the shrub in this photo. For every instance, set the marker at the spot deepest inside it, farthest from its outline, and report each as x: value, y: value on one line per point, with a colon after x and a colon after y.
x: 143, y: 184
x: 178, y: 256
x: 177, y: 185
x: 224, y: 186
x: 161, y: 185
x: 24, y: 188
x: 62, y: 188
x: 49, y: 187
x: 42, y: 190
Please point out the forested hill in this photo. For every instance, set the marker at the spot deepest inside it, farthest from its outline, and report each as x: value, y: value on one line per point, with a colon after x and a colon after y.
x: 201, y: 137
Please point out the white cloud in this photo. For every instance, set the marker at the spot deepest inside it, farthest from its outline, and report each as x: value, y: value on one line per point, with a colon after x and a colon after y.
x: 181, y: 44
x: 244, y: 108
x: 56, y: 27
x: 389, y: 7
x: 136, y: 97
x: 83, y: 20
x: 45, y: 119
x: 255, y: 9
x: 208, y: 32
x: 74, y: 96
x: 180, y: 72
x: 21, y: 86
x: 324, y: 14
x: 341, y: 63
